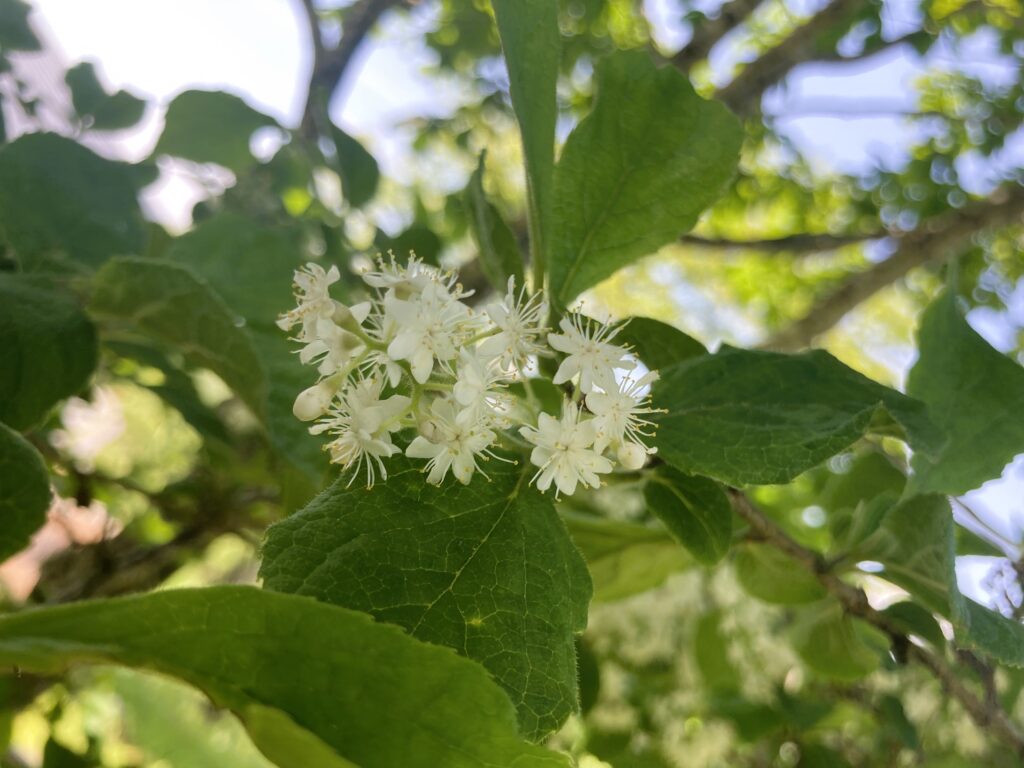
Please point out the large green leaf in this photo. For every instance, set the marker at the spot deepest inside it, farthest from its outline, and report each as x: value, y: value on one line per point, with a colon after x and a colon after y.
x: 624, y: 559
x: 15, y: 31
x: 170, y: 303
x: 356, y: 166
x: 532, y: 45
x: 657, y: 344
x: 487, y: 569
x: 211, y: 127
x: 972, y: 392
x: 105, y: 112
x: 695, y: 510
x: 770, y: 575
x: 316, y: 685
x: 49, y: 348
x: 59, y: 201
x: 744, y: 416
x: 251, y: 267
x: 24, y: 492
x: 916, y: 544
x: 636, y: 172
x: 499, y: 253
x: 835, y: 645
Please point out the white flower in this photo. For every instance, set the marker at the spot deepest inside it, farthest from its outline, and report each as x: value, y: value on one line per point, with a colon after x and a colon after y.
x: 311, y: 284
x: 589, y: 353
x: 518, y: 318
x: 476, y: 386
x: 450, y: 443
x: 363, y: 424
x: 432, y: 326
x: 619, y: 414
x: 334, y: 348
x: 564, y: 451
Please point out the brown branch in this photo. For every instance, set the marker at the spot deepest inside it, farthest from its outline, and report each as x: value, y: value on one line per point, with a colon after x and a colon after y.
x: 986, y: 713
x: 330, y: 64
x: 932, y: 243
x: 707, y: 35
x: 799, y: 244
x: 834, y: 57
x: 743, y: 93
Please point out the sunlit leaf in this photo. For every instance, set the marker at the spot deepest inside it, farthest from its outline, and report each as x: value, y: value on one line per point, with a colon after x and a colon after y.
x: 314, y: 684
x: 487, y: 569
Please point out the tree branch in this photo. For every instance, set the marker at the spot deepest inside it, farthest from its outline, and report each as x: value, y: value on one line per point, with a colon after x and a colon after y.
x: 986, y: 713
x: 799, y: 244
x: 743, y: 93
x: 330, y: 64
x: 933, y: 243
x: 707, y: 35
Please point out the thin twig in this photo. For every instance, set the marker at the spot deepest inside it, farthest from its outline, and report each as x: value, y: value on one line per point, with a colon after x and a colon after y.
x: 986, y: 713
x: 798, y: 244
x: 707, y: 35
x: 933, y: 243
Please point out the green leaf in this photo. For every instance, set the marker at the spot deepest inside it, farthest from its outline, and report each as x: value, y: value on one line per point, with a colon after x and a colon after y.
x: 170, y: 303
x: 24, y: 492
x: 357, y: 168
x: 59, y: 200
x: 499, y: 253
x: 916, y: 544
x: 122, y: 110
x: 211, y: 127
x: 624, y: 559
x: 15, y: 31
x: 636, y: 172
x: 49, y: 349
x: 532, y: 44
x: 835, y: 645
x: 313, y: 683
x: 695, y: 510
x: 251, y: 267
x: 772, y: 576
x: 487, y: 569
x: 745, y: 417
x: 657, y: 344
x: 915, y: 620
x: 969, y: 389
x: 86, y: 91
x: 711, y: 652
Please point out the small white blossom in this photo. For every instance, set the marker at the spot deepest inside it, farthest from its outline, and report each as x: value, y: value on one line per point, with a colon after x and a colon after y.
x: 314, y: 402
x: 450, y: 443
x: 432, y: 326
x: 332, y: 347
x: 477, y: 385
x: 363, y: 424
x: 589, y: 353
x: 619, y: 415
x: 564, y: 451
x: 313, y: 301
x: 518, y: 318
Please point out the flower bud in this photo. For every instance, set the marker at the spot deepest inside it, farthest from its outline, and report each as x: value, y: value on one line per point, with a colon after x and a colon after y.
x: 314, y: 402
x: 632, y: 456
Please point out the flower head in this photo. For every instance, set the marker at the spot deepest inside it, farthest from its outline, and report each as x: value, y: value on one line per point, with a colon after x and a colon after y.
x: 453, y: 443
x: 564, y: 451
x: 589, y: 353
x: 313, y: 301
x: 518, y: 316
x: 363, y: 424
x: 619, y: 415
x: 432, y: 326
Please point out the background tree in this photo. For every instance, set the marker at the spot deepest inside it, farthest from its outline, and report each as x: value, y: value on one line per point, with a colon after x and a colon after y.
x: 771, y: 590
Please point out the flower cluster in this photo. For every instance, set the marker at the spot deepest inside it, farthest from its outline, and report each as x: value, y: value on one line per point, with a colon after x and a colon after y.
x: 414, y: 369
